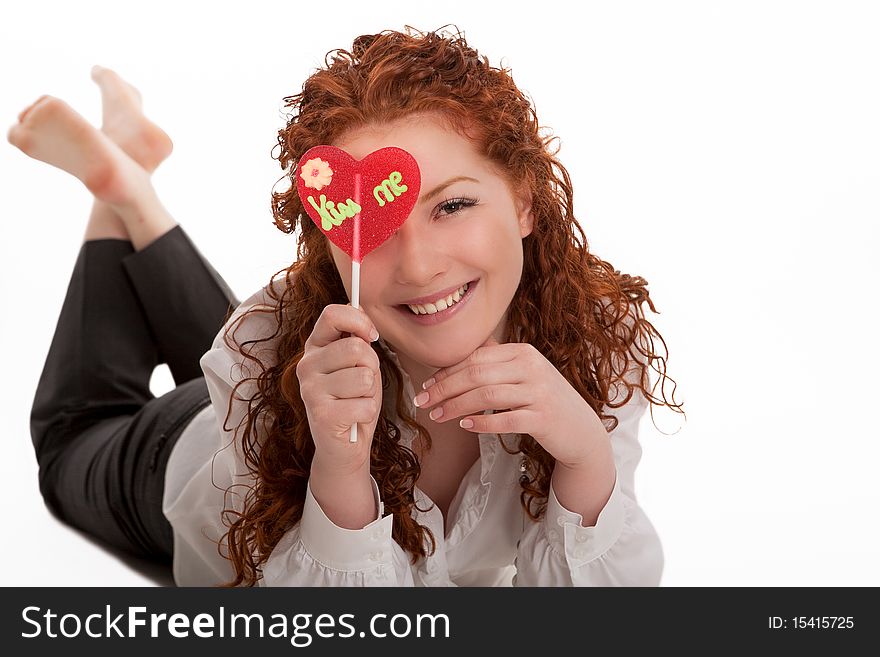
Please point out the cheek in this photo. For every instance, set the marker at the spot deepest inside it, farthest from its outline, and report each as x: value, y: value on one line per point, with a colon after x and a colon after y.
x: 506, y: 260
x: 374, y: 298
x: 496, y: 241
x: 343, y: 263
x: 343, y: 267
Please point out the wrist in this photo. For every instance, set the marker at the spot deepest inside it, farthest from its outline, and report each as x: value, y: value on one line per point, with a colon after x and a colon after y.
x: 346, y: 499
x: 585, y: 488
x: 600, y: 456
x: 322, y: 467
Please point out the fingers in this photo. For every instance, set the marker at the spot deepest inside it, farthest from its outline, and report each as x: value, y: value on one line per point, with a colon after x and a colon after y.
x: 345, y: 353
x: 351, y: 383
x: 346, y: 412
x: 336, y: 320
x: 333, y: 419
x: 520, y: 421
x: 336, y: 366
x: 346, y: 369
x: 471, y: 377
x: 490, y: 352
x: 496, y: 398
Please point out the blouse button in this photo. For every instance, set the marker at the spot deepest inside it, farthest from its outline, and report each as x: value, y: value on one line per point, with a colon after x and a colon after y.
x: 581, y: 538
x: 377, y: 534
x: 553, y: 535
x: 580, y: 553
x: 376, y: 556
x: 560, y: 521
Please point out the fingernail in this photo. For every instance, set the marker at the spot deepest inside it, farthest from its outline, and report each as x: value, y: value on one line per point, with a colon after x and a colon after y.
x: 374, y: 335
x: 466, y: 423
x: 436, y: 414
x: 427, y: 384
x: 421, y: 398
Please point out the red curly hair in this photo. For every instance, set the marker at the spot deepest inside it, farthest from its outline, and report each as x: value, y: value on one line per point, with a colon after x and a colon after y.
x: 584, y: 316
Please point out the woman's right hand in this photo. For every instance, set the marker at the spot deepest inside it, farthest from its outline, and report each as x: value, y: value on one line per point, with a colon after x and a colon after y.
x: 341, y: 385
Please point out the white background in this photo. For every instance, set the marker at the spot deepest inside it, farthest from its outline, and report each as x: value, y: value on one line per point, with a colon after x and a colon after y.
x: 726, y: 151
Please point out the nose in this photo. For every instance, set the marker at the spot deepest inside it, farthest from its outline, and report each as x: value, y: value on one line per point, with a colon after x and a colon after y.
x: 419, y: 259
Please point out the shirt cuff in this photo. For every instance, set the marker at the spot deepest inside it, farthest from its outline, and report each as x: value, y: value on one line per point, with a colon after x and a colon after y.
x: 580, y: 544
x: 346, y: 549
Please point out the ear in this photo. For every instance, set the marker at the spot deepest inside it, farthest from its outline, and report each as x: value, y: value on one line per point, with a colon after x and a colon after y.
x: 525, y: 216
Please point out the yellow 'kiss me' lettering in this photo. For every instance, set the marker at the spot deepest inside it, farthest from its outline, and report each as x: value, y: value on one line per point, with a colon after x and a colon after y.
x: 390, y: 187
x: 332, y: 214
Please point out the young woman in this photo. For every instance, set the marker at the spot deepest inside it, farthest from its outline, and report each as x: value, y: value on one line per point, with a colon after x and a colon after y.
x: 496, y: 370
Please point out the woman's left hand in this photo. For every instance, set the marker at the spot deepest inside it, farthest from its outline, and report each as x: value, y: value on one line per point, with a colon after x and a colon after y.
x: 535, y: 399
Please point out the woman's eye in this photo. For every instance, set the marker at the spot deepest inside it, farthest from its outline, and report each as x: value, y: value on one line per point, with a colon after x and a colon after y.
x: 455, y: 205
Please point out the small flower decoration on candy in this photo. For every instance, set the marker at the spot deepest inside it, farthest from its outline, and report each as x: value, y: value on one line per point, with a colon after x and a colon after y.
x: 316, y: 173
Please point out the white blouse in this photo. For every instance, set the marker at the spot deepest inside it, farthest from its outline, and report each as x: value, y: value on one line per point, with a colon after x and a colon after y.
x: 489, y: 541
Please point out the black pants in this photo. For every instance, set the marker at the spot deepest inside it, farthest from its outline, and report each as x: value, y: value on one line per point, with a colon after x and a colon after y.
x: 102, y: 439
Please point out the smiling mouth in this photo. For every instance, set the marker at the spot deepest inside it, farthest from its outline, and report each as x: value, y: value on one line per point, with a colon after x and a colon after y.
x: 439, y: 305
x: 440, y: 309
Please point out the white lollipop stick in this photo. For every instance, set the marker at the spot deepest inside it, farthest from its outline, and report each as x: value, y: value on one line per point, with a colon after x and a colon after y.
x: 355, y: 300
x: 356, y: 271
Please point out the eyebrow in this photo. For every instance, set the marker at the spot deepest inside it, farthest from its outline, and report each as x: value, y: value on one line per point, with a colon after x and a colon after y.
x: 439, y: 188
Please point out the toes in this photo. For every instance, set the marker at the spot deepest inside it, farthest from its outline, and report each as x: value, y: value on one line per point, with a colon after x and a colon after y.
x: 102, y: 76
x: 114, y: 86
x: 27, y: 110
x: 46, y: 110
x: 18, y: 136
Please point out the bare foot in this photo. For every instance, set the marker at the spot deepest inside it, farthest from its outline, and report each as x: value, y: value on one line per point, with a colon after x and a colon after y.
x: 124, y: 121
x: 50, y: 130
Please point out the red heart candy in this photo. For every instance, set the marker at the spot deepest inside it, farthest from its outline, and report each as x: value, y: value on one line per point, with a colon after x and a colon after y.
x: 358, y: 204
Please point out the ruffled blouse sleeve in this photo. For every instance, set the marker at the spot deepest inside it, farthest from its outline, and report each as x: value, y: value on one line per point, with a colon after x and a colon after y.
x: 622, y: 549
x: 316, y: 552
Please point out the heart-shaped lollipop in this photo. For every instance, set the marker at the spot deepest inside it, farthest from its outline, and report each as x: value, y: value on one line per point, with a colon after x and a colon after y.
x: 358, y: 204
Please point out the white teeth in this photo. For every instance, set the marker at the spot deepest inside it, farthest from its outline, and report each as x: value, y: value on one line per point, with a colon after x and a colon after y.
x: 440, y: 304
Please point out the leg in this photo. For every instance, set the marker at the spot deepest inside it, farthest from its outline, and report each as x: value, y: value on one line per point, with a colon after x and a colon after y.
x: 101, y: 438
x: 51, y: 131
x: 170, y: 290
x: 184, y: 300
x: 124, y: 122
x: 166, y: 287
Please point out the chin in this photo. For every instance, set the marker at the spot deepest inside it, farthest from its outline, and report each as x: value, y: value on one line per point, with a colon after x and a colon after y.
x: 448, y: 357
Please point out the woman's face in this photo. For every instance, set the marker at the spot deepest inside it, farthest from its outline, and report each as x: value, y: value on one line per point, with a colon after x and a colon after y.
x: 466, y: 227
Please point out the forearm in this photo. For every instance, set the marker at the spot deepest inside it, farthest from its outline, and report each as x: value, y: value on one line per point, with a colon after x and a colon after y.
x: 346, y: 499
x: 586, y: 489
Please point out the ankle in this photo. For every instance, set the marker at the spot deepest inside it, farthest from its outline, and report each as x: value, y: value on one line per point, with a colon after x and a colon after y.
x: 104, y: 223
x: 120, y: 183
x: 145, y: 219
